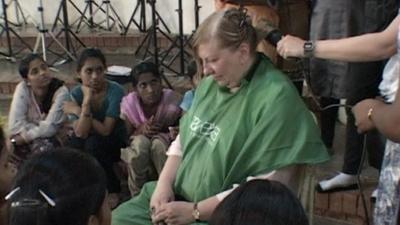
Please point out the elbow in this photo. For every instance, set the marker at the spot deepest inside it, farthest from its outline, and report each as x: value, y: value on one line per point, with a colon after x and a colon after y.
x: 81, y: 135
x: 393, y: 134
x: 389, y: 52
x: 105, y: 133
x: 385, y: 50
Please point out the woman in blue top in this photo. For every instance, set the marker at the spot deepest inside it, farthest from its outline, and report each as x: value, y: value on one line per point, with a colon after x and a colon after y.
x: 97, y: 128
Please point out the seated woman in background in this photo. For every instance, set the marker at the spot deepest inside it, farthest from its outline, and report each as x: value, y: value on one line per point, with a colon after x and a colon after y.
x: 36, y: 113
x: 260, y: 202
x: 7, y: 173
x: 246, y: 120
x: 94, y: 111
x: 62, y: 187
x: 148, y: 111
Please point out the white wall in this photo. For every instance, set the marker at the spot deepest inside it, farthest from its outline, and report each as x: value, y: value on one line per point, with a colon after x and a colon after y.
x: 124, y: 8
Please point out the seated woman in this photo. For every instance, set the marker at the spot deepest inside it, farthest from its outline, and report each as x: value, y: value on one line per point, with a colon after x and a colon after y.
x: 36, y: 113
x: 8, y: 172
x: 260, y: 202
x: 94, y: 111
x: 148, y: 111
x: 63, y: 187
x: 246, y: 120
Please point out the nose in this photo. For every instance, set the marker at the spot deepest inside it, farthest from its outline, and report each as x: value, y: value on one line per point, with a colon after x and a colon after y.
x: 206, y: 69
x: 150, y: 88
x: 95, y: 75
x: 43, y: 72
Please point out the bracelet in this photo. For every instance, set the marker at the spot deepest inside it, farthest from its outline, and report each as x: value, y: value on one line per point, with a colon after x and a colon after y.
x: 87, y: 114
x: 370, y: 113
x: 196, y: 212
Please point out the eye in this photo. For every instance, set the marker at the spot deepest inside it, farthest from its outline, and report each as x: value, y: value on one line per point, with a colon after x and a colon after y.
x: 99, y: 70
x: 34, y: 71
x: 89, y: 71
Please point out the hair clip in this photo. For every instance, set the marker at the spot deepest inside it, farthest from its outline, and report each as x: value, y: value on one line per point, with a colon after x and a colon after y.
x: 26, y: 203
x: 9, y: 195
x: 48, y: 199
x: 243, y: 19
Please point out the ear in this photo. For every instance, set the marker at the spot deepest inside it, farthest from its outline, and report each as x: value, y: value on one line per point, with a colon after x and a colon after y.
x: 78, y: 74
x: 93, y: 220
x: 244, y: 50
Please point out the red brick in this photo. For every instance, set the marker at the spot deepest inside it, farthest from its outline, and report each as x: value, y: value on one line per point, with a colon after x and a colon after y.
x: 350, y: 203
x: 360, y: 207
x: 335, y: 215
x: 335, y: 202
x: 356, y: 221
x: 321, y: 201
x: 100, y: 41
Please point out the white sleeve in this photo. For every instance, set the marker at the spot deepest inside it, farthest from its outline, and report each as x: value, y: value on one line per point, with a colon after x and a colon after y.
x: 54, y: 119
x: 175, y: 148
x: 282, y: 175
x: 17, y: 118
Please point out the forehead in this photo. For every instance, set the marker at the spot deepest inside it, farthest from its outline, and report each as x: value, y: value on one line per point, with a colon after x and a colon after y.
x: 36, y: 63
x: 212, y: 49
x: 92, y: 62
x: 146, y: 77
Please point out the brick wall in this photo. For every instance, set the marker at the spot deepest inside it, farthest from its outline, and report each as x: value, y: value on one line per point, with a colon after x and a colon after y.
x: 344, y: 206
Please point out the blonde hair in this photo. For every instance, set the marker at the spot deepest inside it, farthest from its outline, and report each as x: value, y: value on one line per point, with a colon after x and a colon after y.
x: 230, y: 28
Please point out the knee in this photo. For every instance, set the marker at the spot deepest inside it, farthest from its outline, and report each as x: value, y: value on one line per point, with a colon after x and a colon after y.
x: 140, y: 142
x: 158, y: 145
x: 139, y: 148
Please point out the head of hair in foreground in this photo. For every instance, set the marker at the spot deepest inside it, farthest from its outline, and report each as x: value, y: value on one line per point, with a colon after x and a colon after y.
x: 260, y: 202
x: 73, y: 181
x: 229, y: 29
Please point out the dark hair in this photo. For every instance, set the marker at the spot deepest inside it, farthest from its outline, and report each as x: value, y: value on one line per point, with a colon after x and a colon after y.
x: 144, y: 67
x: 24, y: 64
x: 90, y: 53
x: 73, y: 180
x: 260, y: 202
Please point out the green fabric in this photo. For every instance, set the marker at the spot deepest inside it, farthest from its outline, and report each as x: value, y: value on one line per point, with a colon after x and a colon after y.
x: 227, y: 137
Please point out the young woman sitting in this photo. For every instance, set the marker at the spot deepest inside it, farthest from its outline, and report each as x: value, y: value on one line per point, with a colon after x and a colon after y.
x: 148, y: 112
x: 36, y: 113
x: 94, y: 113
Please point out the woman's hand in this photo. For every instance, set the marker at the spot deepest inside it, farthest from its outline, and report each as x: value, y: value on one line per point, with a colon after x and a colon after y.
x: 87, y: 94
x: 71, y: 107
x: 290, y: 46
x: 175, y: 213
x: 162, y: 195
x: 149, y: 128
x: 361, y: 113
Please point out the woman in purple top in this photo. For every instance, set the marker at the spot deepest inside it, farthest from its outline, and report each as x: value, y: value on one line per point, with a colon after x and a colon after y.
x: 148, y: 112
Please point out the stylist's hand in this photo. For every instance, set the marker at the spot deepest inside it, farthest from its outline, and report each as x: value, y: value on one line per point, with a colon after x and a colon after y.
x: 161, y: 195
x: 290, y: 46
x: 175, y: 213
x: 360, y: 111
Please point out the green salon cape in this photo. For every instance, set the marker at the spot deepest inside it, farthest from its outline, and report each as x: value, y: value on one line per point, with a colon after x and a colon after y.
x: 227, y: 137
